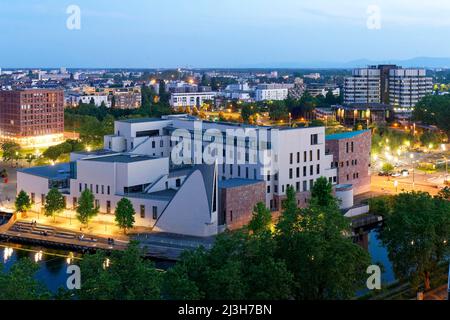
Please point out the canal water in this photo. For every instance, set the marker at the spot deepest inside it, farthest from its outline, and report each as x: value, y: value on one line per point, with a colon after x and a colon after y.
x: 53, y: 265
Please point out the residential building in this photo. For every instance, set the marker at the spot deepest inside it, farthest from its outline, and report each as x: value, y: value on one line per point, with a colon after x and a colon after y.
x: 74, y: 99
x: 316, y: 89
x: 364, y: 86
x: 272, y: 91
x: 126, y: 98
x: 190, y: 99
x: 407, y: 87
x: 32, y: 117
x: 388, y: 84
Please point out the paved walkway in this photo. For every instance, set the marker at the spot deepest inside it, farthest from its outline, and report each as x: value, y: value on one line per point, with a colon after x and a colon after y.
x: 39, y: 233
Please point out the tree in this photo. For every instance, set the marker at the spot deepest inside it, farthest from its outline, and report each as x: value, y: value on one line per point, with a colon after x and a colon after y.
x: 239, y: 266
x: 54, y: 203
x: 315, y: 246
x: 278, y: 110
x: 247, y: 111
x: 322, y: 193
x: 11, y: 151
x: 444, y: 193
x: 128, y: 277
x: 261, y: 219
x: 416, y: 235
x: 434, y: 110
x: 125, y: 214
x: 387, y: 167
x: 23, y: 203
x: 289, y: 217
x: 86, y: 208
x: 19, y: 282
x: 30, y: 158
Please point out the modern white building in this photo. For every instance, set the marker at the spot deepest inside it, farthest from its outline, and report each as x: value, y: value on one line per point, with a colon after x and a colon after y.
x: 162, y: 198
x: 190, y: 99
x: 272, y: 91
x: 297, y: 155
x: 140, y: 162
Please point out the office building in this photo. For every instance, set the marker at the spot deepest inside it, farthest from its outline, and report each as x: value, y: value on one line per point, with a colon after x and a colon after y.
x: 32, y: 117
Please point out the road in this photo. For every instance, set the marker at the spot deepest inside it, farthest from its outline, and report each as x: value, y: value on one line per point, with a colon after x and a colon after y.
x: 430, y: 183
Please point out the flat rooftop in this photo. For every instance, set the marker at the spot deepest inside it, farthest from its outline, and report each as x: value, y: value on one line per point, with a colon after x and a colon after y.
x: 120, y: 158
x: 234, y: 183
x: 164, y: 195
x: 102, y: 152
x: 344, y: 135
x: 141, y: 120
x: 58, y: 171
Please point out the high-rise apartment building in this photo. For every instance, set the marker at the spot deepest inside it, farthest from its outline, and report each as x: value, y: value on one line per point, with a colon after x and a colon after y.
x: 32, y: 117
x: 364, y: 86
x: 407, y: 87
x: 387, y: 84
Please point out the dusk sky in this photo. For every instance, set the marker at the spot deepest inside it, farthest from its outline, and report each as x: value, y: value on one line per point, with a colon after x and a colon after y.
x: 218, y: 33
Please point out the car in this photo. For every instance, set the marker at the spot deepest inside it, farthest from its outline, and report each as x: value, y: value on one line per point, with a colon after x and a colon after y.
x: 396, y: 174
x: 383, y: 174
x: 405, y: 172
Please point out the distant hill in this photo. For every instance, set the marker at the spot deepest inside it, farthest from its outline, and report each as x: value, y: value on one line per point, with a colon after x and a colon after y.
x: 424, y: 62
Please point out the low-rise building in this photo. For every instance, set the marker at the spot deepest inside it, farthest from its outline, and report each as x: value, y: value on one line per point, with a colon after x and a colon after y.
x: 190, y: 99
x: 351, y: 158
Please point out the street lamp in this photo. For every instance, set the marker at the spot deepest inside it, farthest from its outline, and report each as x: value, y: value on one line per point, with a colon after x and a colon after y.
x: 396, y: 186
x: 444, y: 148
x: 412, y: 161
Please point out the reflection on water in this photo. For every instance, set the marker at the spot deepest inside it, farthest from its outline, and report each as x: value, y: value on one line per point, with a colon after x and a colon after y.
x: 369, y: 240
x: 53, y: 266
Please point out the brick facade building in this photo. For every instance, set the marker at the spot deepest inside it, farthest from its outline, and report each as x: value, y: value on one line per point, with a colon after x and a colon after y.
x: 26, y: 116
x: 237, y: 198
x: 351, y: 157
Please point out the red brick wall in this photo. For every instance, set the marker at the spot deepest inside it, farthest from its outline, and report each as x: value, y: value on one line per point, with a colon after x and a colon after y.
x: 352, y: 163
x: 237, y: 203
x: 44, y: 116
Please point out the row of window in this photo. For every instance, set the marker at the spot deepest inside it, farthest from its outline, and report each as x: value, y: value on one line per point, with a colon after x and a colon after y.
x: 239, y: 172
x: 98, y: 188
x: 341, y: 164
x: 297, y: 185
x: 305, y: 156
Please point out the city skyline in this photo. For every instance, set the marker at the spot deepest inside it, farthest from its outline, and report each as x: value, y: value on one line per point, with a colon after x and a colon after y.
x: 224, y: 34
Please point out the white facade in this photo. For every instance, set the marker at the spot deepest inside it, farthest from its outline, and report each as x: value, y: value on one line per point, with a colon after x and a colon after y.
x: 190, y: 99
x: 137, y: 164
x: 364, y: 86
x: 271, y: 94
x: 407, y: 87
x: 304, y: 146
x: 76, y: 99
